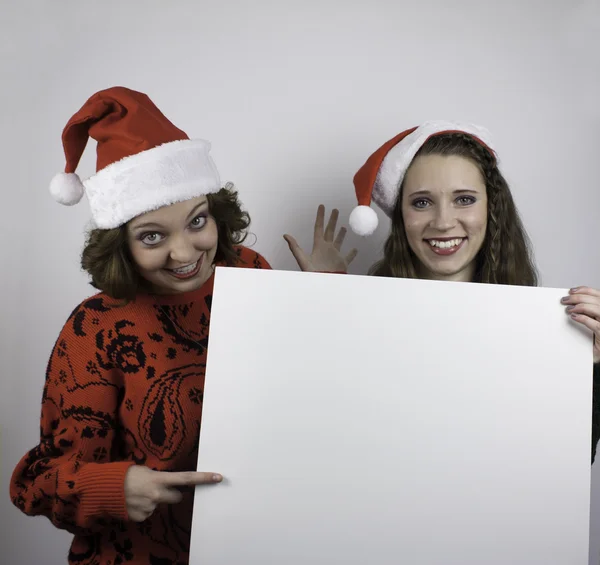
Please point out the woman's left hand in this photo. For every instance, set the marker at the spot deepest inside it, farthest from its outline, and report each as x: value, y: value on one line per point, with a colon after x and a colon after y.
x: 583, y: 305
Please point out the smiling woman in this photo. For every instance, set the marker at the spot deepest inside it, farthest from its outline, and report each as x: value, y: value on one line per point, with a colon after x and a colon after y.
x: 137, y: 256
x: 453, y: 191
x: 122, y: 405
x: 444, y: 208
x: 453, y: 218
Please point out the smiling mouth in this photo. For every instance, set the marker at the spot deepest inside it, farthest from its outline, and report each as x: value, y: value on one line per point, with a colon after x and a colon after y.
x: 446, y: 246
x: 188, y: 271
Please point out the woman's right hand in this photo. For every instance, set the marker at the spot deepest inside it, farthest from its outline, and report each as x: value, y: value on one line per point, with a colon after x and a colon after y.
x: 326, y: 256
x: 145, y: 489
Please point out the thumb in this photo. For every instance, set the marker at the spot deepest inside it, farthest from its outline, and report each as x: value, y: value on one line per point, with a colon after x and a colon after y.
x: 301, y: 258
x: 188, y: 478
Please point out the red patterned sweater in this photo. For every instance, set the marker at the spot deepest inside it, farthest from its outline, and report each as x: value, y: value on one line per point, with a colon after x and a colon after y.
x: 124, y: 386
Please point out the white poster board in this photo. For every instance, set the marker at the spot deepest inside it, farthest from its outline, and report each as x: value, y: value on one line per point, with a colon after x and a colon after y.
x: 376, y: 421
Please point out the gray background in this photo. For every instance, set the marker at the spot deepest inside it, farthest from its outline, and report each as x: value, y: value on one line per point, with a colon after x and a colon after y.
x: 294, y: 96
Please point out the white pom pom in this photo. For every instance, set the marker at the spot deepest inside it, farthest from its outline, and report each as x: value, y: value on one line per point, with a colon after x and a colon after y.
x: 363, y: 220
x: 66, y: 188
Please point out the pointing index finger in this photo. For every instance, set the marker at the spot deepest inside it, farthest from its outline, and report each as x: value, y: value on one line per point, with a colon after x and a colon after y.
x: 187, y: 478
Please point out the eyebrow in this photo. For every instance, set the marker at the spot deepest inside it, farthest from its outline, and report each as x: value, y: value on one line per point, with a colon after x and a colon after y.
x: 456, y: 191
x: 195, y: 211
x: 154, y: 225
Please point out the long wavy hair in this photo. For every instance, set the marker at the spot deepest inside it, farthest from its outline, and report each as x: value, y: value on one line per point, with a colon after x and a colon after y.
x: 506, y: 255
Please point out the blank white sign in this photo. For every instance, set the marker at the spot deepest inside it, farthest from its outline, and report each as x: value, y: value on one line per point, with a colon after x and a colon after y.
x: 376, y: 421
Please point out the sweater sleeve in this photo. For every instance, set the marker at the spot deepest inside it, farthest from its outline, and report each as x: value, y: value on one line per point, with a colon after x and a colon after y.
x: 595, y: 410
x: 70, y: 476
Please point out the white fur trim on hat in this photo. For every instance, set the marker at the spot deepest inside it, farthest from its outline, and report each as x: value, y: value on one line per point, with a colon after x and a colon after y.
x: 172, y: 172
x: 396, y: 162
x: 363, y: 220
x: 66, y: 188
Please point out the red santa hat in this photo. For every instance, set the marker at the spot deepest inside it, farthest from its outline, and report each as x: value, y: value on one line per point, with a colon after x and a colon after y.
x: 380, y: 178
x: 143, y: 161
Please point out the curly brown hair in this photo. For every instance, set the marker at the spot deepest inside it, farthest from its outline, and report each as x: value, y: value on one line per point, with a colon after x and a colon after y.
x: 506, y: 255
x: 107, y: 259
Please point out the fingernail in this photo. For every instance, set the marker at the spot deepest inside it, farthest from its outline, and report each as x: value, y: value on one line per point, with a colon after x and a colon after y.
x: 217, y: 478
x: 570, y: 308
x: 575, y: 289
x: 564, y: 299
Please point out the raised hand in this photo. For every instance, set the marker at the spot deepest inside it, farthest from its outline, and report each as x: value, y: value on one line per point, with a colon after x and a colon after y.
x: 584, y: 307
x: 145, y: 489
x: 326, y: 255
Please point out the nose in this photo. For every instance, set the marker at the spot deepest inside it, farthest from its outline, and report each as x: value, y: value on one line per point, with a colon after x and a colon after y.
x: 444, y: 218
x: 182, y: 250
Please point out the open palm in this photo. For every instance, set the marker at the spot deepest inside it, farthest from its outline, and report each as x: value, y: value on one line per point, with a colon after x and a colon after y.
x: 326, y: 255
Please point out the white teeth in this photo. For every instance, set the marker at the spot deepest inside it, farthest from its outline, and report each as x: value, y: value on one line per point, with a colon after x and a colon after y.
x: 445, y: 244
x: 186, y: 270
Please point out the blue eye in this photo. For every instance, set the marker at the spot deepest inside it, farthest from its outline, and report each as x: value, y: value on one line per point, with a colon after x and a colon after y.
x: 151, y: 238
x: 198, y: 222
x: 420, y: 203
x: 466, y: 200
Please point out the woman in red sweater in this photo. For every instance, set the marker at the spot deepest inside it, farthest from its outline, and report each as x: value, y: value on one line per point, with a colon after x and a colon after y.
x: 453, y: 218
x: 122, y: 402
